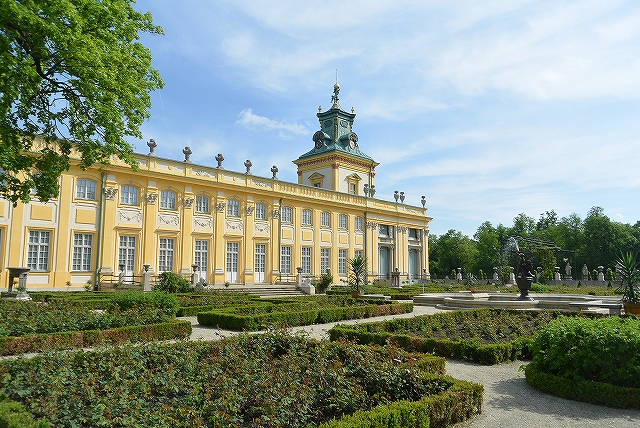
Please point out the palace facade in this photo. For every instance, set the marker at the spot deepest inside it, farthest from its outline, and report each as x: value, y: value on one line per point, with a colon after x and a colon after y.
x: 227, y: 226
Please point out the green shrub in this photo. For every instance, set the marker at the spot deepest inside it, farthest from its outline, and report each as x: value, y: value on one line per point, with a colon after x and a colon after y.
x: 288, y: 381
x: 600, y: 393
x: 326, y: 279
x: 170, y: 282
x: 137, y: 299
x: 599, y: 350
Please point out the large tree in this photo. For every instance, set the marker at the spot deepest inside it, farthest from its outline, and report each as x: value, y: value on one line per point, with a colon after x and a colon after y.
x: 74, y: 78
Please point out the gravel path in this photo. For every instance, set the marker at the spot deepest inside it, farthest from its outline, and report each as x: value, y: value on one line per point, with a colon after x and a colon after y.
x: 509, y: 401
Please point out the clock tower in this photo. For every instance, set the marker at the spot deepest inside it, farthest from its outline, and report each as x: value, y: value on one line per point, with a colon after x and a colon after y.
x: 336, y: 162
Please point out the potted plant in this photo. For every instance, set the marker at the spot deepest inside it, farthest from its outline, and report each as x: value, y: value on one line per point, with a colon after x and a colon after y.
x: 357, y: 276
x: 628, y: 275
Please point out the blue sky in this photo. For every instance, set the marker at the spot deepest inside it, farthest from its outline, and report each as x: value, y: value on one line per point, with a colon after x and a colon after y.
x: 488, y: 108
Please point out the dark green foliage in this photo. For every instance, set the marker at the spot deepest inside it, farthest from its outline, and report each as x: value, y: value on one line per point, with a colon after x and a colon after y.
x: 295, y: 312
x: 326, y: 279
x: 600, y: 393
x: 357, y: 273
x: 14, y: 415
x: 288, y: 381
x: 599, y: 350
x: 139, y: 299
x: 170, y: 282
x: 628, y: 274
x: 486, y: 336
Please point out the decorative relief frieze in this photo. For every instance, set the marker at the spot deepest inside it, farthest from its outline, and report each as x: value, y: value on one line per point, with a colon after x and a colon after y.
x: 203, y: 173
x: 261, y: 228
x: 260, y: 183
x: 250, y: 209
x: 220, y: 207
x: 187, y: 202
x: 203, y: 222
x: 168, y: 219
x: 372, y: 225
x: 110, y: 193
x: 413, y: 211
x: 233, y: 226
x: 128, y: 216
x: 403, y: 229
x: 152, y: 198
x: 275, y: 213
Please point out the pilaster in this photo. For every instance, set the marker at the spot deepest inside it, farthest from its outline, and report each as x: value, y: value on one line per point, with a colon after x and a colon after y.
x: 219, y: 241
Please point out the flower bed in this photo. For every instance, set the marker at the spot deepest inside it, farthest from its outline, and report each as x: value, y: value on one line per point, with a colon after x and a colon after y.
x: 270, y: 380
x: 263, y: 314
x: 486, y: 336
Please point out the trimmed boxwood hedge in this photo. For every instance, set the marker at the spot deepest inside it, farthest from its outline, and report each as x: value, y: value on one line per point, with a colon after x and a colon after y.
x: 14, y: 415
x: 600, y: 393
x: 174, y: 329
x: 486, y: 336
x: 260, y: 316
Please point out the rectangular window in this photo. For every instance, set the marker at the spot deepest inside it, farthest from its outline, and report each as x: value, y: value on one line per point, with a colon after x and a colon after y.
x: 326, y: 219
x: 285, y: 259
x: 261, y: 212
x: 342, y: 262
x: 359, y: 253
x: 359, y: 223
x: 127, y: 254
x: 168, y: 200
x: 86, y: 189
x: 352, y: 189
x: 38, y: 253
x: 129, y: 195
x: 383, y: 230
x: 201, y: 256
x: 325, y: 258
x: 82, y: 245
x: 202, y: 204
x: 233, y: 252
x: 287, y: 214
x: 342, y: 221
x: 306, y: 217
x: 165, y: 258
x: 413, y: 233
x: 259, y: 266
x: 233, y: 208
x: 306, y: 260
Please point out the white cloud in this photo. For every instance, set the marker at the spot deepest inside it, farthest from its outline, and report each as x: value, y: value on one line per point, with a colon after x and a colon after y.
x: 252, y: 121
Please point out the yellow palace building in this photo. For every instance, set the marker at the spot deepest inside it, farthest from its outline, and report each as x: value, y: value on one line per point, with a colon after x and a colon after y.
x: 227, y: 226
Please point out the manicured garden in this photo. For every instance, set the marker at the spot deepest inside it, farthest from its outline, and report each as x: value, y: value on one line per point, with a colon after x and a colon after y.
x: 486, y: 336
x: 273, y: 379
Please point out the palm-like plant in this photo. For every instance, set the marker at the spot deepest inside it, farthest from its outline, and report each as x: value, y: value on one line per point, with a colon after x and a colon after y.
x: 628, y: 274
x: 357, y: 273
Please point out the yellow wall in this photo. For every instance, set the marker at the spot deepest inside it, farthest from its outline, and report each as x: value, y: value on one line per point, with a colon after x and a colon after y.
x: 108, y: 221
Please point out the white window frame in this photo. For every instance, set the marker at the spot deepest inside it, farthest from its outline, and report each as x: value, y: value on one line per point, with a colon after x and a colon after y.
x: 359, y: 253
x: 285, y: 259
x: 166, y: 254
x: 342, y: 261
x: 168, y: 199
x: 325, y: 219
x: 38, y: 250
x: 343, y: 221
x: 307, y: 217
x: 86, y: 189
x: 306, y: 258
x: 201, y: 255
x: 203, y: 205
x: 359, y: 223
x: 128, y: 195
x: 287, y: 215
x: 233, y: 208
x: 82, y: 251
x: 325, y: 260
x: 383, y: 230
x: 261, y: 212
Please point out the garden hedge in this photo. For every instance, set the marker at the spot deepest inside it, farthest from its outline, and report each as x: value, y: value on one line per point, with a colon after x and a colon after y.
x: 486, y: 336
x: 604, y: 394
x: 175, y: 329
x: 458, y: 403
x: 14, y: 415
x: 265, y: 315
